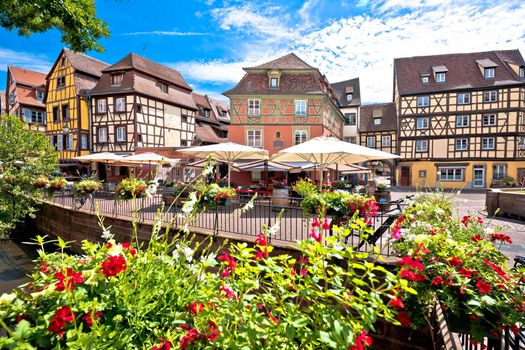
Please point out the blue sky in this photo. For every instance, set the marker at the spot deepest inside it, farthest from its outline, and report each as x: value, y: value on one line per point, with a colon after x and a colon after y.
x: 209, y: 41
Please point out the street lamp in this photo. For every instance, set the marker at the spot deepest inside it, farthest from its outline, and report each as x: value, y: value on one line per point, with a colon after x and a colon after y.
x: 65, y: 128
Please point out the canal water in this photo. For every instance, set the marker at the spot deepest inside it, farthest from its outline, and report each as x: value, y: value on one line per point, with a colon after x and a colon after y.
x: 16, y: 262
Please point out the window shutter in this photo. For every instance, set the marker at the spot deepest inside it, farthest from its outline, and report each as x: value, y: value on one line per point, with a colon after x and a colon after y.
x: 27, y: 115
x: 70, y: 141
x: 59, y: 142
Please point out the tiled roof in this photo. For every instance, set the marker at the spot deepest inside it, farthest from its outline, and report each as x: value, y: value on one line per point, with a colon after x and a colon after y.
x: 221, y: 110
x: 84, y: 83
x: 205, y: 133
x: 343, y: 87
x: 465, y: 71
x: 85, y: 64
x: 288, y: 61
x: 27, y: 96
x: 27, y: 77
x: 134, y: 61
x: 387, y: 113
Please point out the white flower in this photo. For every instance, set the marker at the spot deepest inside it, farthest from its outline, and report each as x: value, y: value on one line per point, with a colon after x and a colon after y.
x: 488, y: 230
x: 151, y: 190
x: 249, y: 205
x: 190, y: 203
x: 188, y: 252
x: 208, y: 169
x: 272, y: 230
x: 107, y: 235
x: 6, y: 299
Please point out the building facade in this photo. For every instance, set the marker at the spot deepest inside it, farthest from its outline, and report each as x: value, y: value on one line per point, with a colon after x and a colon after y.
x: 348, y: 94
x: 211, y: 120
x: 67, y: 99
x: 461, y: 119
x: 282, y: 103
x: 24, y: 96
x: 138, y: 103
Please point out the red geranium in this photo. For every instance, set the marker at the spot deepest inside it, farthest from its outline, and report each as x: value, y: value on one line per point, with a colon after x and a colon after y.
x: 261, y: 240
x: 397, y: 303
x: 483, y: 287
x: 89, y: 320
x: 362, y: 341
x: 68, y: 281
x: 437, y: 280
x: 113, y: 265
x: 500, y: 237
x: 62, y: 316
x: 403, y: 317
x: 195, y: 308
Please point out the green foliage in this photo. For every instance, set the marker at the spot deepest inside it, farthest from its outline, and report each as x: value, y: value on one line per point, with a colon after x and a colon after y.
x: 25, y: 156
x: 305, y: 188
x: 131, y: 188
x: 212, y: 195
x: 87, y: 186
x: 74, y: 19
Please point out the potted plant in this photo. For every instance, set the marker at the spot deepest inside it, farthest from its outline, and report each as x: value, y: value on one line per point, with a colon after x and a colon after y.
x: 280, y: 194
x: 383, y: 197
x: 86, y: 187
x: 131, y: 188
x: 40, y: 181
x: 213, y: 195
x: 56, y: 184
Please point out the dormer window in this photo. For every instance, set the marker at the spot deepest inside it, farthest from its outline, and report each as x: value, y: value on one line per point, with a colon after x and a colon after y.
x: 349, y: 97
x: 489, y: 73
x: 274, y: 82
x: 439, y: 73
x: 377, y: 121
x: 206, y: 113
x: 522, y: 72
x: 163, y: 87
x: 116, y: 79
x: 40, y: 95
x: 440, y: 77
x: 425, y: 79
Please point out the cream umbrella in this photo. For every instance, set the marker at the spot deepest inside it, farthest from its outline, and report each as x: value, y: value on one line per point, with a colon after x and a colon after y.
x: 146, y: 158
x: 323, y: 151
x: 103, y: 157
x: 228, y: 152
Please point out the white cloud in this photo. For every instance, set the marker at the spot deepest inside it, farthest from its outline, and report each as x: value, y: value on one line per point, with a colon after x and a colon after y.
x: 165, y: 33
x: 32, y: 61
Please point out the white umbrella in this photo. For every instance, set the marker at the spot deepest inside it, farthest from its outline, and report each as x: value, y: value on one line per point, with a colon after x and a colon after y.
x: 227, y: 152
x: 103, y: 157
x: 323, y: 151
x: 342, y: 168
x: 260, y: 165
x: 148, y: 157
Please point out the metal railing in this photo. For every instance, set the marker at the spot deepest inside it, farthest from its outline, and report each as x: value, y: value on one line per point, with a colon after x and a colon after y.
x: 294, y: 224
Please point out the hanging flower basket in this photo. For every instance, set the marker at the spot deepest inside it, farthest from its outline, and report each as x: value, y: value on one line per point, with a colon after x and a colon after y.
x: 213, y: 195
x: 40, y: 182
x: 86, y: 187
x: 131, y: 188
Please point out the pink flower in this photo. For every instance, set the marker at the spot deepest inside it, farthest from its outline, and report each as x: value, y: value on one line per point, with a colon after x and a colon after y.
x: 316, y: 235
x: 326, y: 225
x: 396, y: 233
x: 316, y: 222
x: 261, y: 240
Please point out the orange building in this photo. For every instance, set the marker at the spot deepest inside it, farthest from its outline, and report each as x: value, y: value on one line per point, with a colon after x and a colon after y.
x: 282, y: 103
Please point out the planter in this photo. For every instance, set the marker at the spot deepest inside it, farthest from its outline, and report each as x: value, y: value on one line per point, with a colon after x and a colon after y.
x: 280, y: 197
x: 463, y: 324
x: 506, y: 203
x: 382, y: 199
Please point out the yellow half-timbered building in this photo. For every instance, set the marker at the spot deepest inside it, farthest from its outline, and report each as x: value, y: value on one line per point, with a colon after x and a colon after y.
x: 67, y: 102
x: 461, y: 119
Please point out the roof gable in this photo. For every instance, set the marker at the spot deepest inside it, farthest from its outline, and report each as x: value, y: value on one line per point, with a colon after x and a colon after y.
x: 84, y: 63
x: 385, y: 111
x: 342, y: 88
x: 27, y: 77
x: 288, y: 61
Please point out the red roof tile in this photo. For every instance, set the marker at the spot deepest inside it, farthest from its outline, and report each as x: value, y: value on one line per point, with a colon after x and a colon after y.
x: 205, y: 133
x: 27, y: 96
x: 85, y: 64
x: 289, y: 61
x: 385, y: 111
x: 27, y: 77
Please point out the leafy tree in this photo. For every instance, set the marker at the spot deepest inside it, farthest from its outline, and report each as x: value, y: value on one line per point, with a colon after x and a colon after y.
x: 24, y: 155
x: 74, y: 19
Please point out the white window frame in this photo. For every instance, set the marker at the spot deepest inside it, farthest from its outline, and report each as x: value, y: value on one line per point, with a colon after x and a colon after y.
x: 69, y: 141
x: 462, y: 118
x: 251, y: 138
x: 388, y: 139
x: 11, y: 98
x: 254, y: 107
x: 121, y: 75
x: 120, y: 104
x: 489, y: 73
x: 302, y: 134
x: 276, y: 80
x: 425, y: 80
x: 371, y: 141
x: 84, y: 141
x: 463, y: 98
x: 349, y: 120
x: 521, y: 142
x: 492, y: 96
x: 60, y: 142
x: 102, y: 137
x: 423, y: 101
x: 425, y: 123
x: 349, y: 97
x: 164, y: 88
x: 500, y: 173
x: 488, y: 143
x: 522, y: 72
x: 462, y: 144
x: 102, y: 105
x: 440, y: 77
x: 41, y: 97
x: 452, y: 174
x: 420, y: 144
x: 377, y: 121
x: 300, y: 107
x: 121, y: 134
x: 490, y: 120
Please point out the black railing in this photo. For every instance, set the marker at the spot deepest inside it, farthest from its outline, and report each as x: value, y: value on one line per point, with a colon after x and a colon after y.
x: 293, y: 224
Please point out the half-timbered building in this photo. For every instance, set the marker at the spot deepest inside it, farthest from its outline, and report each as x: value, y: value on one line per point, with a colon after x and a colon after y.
x: 25, y: 96
x: 282, y: 103
x: 461, y: 118
x: 211, y: 121
x: 139, y: 103
x: 67, y: 98
x: 348, y: 95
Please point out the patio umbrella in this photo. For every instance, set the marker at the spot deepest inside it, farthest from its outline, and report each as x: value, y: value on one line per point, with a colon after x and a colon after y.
x: 342, y: 168
x: 146, y: 158
x: 323, y: 151
x: 227, y: 152
x: 103, y: 157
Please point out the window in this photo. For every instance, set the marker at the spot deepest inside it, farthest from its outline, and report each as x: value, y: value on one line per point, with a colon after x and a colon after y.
x: 488, y: 143
x: 489, y: 73
x: 255, y: 138
x: 11, y: 98
x: 377, y: 121
x: 206, y: 113
x: 521, y: 142
x: 59, y: 142
x: 489, y: 119
x: 349, y: 97
x: 65, y: 112
x: 84, y: 141
x: 422, y: 173
x: 422, y: 123
x: 120, y: 104
x: 116, y: 79
x: 461, y: 144
x: 163, y: 87
x: 490, y: 96
x: 499, y: 171
x: 522, y: 72
x: 386, y: 141
x: 350, y: 139
x: 56, y: 115
x: 440, y: 77
x: 423, y: 101
x: 463, y: 98
x: 371, y: 141
x: 68, y: 141
x: 184, y: 118
x: 424, y: 79
x: 102, y: 135
x: 350, y: 119
x: 121, y: 134
x: 254, y: 107
x: 101, y: 105
x: 139, y: 108
x: 300, y: 107
x: 35, y: 117
x: 274, y: 82
x: 462, y: 121
x: 278, y: 134
x: 451, y: 174
x: 421, y: 145
x: 300, y: 136
x: 61, y: 82
x: 40, y: 95
x: 63, y: 61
